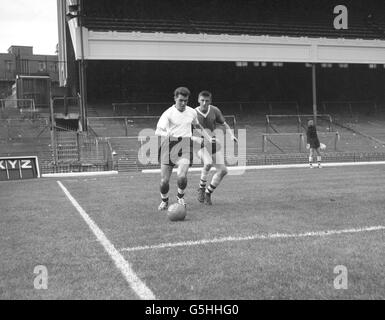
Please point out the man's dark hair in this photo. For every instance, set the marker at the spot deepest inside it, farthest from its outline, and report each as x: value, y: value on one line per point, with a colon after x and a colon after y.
x: 182, y: 91
x: 205, y: 93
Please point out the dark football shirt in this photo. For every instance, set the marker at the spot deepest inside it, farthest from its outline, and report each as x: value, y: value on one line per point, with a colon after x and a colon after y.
x: 210, y: 119
x: 312, y: 137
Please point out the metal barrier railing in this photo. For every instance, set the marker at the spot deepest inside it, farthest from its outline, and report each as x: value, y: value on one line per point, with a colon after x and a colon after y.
x: 298, y: 121
x: 66, y: 105
x: 80, y: 147
x: 350, y: 107
x: 120, y: 126
x: 17, y: 108
x: 239, y: 107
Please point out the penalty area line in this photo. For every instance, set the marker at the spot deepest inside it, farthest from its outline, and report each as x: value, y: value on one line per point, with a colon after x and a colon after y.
x: 133, y: 280
x: 253, y: 237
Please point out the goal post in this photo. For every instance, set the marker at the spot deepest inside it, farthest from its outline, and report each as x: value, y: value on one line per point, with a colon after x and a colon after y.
x: 291, y: 123
x: 349, y: 108
x: 296, y: 142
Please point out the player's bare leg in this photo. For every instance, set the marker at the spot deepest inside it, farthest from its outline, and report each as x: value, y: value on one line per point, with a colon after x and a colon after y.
x: 165, y: 174
x: 318, y: 157
x: 311, y: 158
x: 183, y: 166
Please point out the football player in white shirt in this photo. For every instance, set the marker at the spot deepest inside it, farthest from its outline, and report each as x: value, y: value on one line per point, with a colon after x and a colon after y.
x: 175, y: 128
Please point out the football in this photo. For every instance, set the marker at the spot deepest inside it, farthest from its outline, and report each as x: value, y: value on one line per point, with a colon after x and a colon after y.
x: 322, y: 146
x: 176, y: 212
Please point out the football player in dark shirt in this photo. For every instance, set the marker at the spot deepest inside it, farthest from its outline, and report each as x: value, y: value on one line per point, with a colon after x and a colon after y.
x: 209, y: 116
x: 313, y: 143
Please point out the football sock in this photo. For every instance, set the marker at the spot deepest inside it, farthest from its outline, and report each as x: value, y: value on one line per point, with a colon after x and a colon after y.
x: 319, y: 159
x: 164, y: 197
x: 217, y: 178
x: 210, y: 188
x: 203, y: 181
x: 310, y: 160
x: 202, y: 184
x: 180, y: 193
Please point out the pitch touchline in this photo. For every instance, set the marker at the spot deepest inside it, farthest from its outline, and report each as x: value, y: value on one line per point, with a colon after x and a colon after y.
x: 253, y: 237
x: 280, y: 166
x: 136, y: 284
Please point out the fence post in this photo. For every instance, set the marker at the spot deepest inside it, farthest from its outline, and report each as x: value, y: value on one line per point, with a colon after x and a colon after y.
x: 65, y: 103
x: 78, y: 144
x: 8, y: 128
x: 97, y: 147
x: 263, y: 142
x: 300, y: 142
x: 53, y: 131
x: 299, y: 124
x: 335, y: 141
x: 126, y: 126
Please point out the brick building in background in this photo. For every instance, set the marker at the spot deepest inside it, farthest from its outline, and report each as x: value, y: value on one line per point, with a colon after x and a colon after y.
x: 20, y: 60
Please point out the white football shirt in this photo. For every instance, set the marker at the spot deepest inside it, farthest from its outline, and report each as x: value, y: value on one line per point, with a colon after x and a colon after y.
x: 176, y: 123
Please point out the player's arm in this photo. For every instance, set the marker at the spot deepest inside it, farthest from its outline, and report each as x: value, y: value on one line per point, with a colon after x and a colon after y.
x: 228, y: 128
x: 221, y: 119
x: 203, y: 132
x: 161, y: 132
x: 162, y: 126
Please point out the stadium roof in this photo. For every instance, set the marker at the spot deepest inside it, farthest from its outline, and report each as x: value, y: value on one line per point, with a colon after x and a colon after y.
x: 272, y: 37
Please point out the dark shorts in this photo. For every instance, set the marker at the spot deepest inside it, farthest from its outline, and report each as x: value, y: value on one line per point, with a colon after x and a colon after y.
x: 174, y: 149
x: 315, y: 144
x: 212, y: 148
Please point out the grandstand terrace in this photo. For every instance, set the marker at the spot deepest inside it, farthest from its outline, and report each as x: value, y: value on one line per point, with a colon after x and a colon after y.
x: 258, y: 58
x: 291, y: 18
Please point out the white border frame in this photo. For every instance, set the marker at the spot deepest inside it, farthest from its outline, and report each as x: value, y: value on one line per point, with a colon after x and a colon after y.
x: 26, y: 157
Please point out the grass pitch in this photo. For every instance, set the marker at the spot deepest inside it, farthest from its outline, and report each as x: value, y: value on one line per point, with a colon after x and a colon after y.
x: 40, y: 226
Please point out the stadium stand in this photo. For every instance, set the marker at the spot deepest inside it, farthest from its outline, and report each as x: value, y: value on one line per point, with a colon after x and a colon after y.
x: 274, y: 18
x: 343, y: 144
x: 118, y: 91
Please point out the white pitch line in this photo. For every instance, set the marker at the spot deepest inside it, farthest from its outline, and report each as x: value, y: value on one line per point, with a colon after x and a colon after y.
x: 254, y: 237
x: 133, y: 280
x: 280, y: 166
x: 79, y: 174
